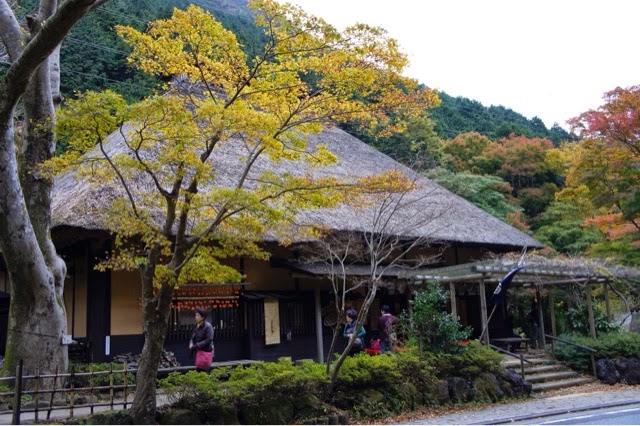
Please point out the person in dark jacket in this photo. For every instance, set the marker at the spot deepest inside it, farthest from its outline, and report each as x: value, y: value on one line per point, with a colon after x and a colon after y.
x: 201, y: 343
x: 351, y: 328
x: 385, y: 329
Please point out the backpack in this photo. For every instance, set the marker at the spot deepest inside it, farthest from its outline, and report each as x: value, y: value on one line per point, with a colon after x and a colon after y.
x: 375, y: 344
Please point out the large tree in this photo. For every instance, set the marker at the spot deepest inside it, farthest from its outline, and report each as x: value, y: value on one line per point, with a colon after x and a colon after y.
x: 199, y: 166
x: 37, y: 317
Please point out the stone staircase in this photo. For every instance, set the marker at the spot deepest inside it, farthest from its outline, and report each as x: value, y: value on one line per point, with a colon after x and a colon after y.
x: 545, y: 373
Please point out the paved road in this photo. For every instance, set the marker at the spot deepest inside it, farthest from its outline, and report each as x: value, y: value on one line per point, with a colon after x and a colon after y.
x: 537, y: 409
x: 621, y: 415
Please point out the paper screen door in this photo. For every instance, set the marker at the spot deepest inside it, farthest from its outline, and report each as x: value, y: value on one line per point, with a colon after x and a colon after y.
x: 271, y: 322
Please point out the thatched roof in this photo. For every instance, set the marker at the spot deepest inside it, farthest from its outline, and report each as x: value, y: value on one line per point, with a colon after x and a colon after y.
x: 433, y: 211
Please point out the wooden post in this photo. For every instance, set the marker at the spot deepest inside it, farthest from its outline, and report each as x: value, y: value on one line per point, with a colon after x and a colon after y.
x: 72, y: 395
x: 124, y: 381
x: 111, y: 384
x: 483, y: 312
x: 454, y: 308
x: 91, y: 386
x: 36, y: 394
x: 552, y: 314
x: 541, y: 339
x: 319, y: 341
x: 592, y: 321
x: 53, y: 391
x: 606, y: 300
x: 18, y: 394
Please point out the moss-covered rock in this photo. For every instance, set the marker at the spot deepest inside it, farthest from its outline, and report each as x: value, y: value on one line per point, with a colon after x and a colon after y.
x: 226, y: 414
x: 120, y: 417
x: 408, y: 395
x: 487, y: 388
x: 274, y: 413
x: 180, y: 416
x: 308, y: 406
x: 512, y: 384
x: 460, y: 391
x: 437, y: 393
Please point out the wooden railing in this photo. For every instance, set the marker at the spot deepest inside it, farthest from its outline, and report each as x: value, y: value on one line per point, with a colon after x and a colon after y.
x: 592, y: 352
x: 518, y: 356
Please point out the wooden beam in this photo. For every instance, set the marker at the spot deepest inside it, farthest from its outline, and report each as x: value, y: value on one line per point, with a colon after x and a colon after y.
x: 454, y: 308
x: 552, y: 313
x: 319, y: 341
x: 541, y: 332
x: 606, y: 300
x: 592, y: 321
x: 483, y: 312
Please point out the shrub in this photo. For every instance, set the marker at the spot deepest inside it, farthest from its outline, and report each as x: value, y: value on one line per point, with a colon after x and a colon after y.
x: 249, y: 389
x: 98, y: 379
x: 427, y: 320
x: 578, y: 317
x: 469, y: 363
x: 609, y: 346
x: 363, y: 371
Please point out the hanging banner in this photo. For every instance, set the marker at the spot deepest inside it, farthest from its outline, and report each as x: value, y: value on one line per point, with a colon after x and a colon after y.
x: 271, y: 322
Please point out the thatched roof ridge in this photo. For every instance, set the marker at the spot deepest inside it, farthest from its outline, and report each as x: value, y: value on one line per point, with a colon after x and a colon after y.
x: 78, y: 203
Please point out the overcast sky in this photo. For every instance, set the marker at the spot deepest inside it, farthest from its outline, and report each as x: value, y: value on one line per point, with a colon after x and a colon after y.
x: 548, y: 58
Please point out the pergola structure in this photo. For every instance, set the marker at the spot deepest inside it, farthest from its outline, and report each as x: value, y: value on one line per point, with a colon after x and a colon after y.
x: 538, y: 271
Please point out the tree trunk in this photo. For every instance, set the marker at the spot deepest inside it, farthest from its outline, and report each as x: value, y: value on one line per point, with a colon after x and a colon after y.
x: 37, y: 316
x: 155, y: 318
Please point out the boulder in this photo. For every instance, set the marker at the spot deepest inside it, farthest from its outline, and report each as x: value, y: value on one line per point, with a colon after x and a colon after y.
x: 486, y: 388
x: 307, y: 406
x: 512, y: 384
x: 606, y: 371
x: 120, y: 417
x: 180, y: 416
x: 409, y: 395
x: 629, y: 369
x: 460, y: 390
x: 272, y: 413
x: 437, y: 393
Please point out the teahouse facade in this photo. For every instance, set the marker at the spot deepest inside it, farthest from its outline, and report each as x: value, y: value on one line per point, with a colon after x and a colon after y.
x: 283, y: 306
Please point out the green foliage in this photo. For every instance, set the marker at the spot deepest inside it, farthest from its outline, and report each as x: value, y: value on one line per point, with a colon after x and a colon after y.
x: 253, y: 385
x: 487, y: 192
x: 578, y: 317
x: 102, y: 379
x: 427, y: 320
x: 609, y: 346
x: 562, y: 227
x: 368, y: 386
x: 469, y: 362
x: 459, y: 115
x: 363, y: 371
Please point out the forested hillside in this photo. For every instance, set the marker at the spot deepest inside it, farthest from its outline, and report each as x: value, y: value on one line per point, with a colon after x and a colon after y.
x: 460, y: 115
x: 94, y: 58
x: 541, y: 180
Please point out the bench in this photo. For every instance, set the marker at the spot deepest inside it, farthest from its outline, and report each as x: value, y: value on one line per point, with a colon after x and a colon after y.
x: 511, y: 343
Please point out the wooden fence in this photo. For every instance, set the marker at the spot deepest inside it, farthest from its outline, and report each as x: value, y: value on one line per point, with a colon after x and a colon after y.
x: 42, y: 394
x: 66, y: 391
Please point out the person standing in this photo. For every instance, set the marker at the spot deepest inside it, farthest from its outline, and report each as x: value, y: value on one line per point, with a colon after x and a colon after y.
x: 201, y: 343
x: 351, y: 328
x: 385, y: 333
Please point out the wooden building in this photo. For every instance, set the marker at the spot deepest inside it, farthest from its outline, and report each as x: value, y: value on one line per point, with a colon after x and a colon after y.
x: 278, y: 309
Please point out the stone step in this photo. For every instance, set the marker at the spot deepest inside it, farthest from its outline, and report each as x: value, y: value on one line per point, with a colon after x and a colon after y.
x: 549, y: 377
x: 515, y: 363
x: 560, y: 384
x: 543, y: 368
